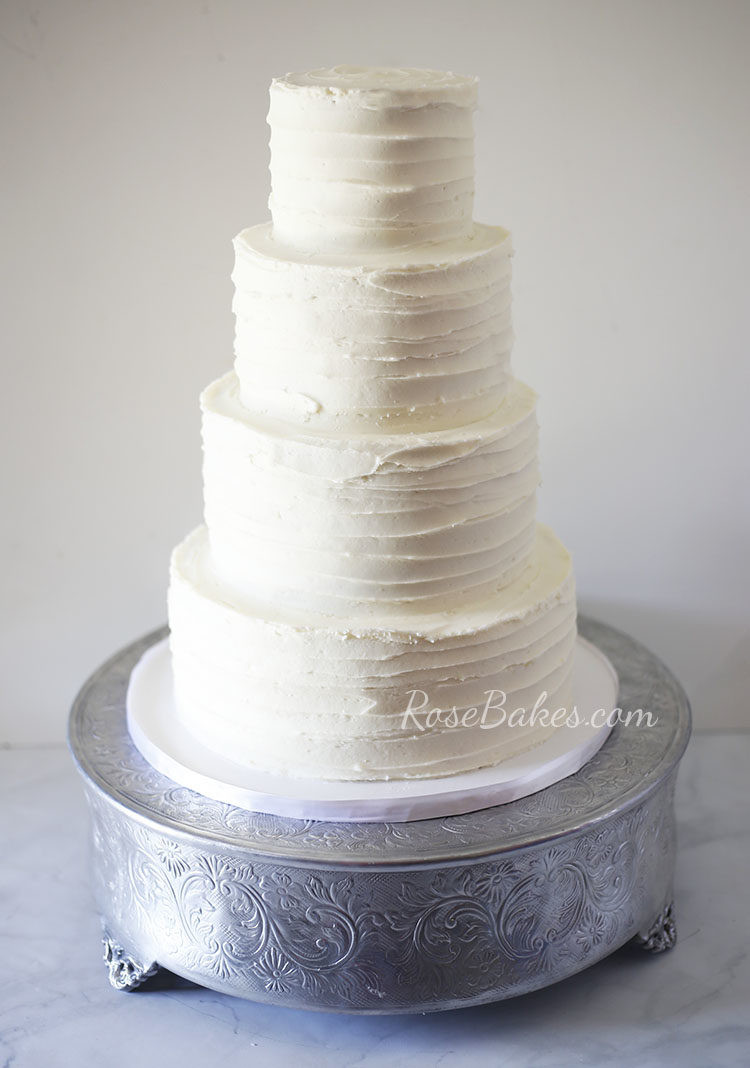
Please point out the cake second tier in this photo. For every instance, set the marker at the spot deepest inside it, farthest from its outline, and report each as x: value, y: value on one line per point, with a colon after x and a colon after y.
x: 372, y: 525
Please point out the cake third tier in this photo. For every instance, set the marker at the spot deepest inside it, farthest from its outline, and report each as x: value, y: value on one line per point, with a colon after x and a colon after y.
x: 407, y: 340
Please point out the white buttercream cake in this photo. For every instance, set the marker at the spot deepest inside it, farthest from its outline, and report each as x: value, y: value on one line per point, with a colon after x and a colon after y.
x: 371, y: 595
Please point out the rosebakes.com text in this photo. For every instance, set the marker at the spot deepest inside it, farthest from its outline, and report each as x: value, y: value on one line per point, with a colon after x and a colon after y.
x: 494, y: 713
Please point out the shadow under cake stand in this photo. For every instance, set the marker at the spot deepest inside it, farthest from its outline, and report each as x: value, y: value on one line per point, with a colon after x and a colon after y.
x: 385, y: 917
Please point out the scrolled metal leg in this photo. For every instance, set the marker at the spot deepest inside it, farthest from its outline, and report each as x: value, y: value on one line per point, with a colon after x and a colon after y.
x: 125, y: 973
x: 661, y: 935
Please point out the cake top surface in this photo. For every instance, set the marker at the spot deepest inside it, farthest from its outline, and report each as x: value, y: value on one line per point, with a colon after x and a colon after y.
x: 409, y: 85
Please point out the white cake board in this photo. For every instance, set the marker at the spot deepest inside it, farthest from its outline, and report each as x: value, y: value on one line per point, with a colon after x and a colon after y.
x: 173, y: 751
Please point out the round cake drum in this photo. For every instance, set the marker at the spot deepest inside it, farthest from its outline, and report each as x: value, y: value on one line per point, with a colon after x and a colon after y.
x: 161, y: 739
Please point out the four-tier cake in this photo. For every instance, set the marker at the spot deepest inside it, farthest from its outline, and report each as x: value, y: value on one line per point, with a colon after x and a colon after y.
x: 371, y: 596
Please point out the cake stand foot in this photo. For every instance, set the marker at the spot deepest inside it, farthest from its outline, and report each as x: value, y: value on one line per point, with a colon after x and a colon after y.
x: 661, y: 935
x: 125, y: 972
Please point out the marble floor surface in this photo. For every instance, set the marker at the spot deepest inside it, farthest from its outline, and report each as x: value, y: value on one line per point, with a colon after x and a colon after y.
x: 687, y: 1007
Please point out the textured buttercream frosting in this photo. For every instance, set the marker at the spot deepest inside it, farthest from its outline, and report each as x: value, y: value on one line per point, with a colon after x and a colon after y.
x: 357, y: 525
x: 365, y: 158
x: 399, y: 341
x: 309, y: 695
x: 370, y: 464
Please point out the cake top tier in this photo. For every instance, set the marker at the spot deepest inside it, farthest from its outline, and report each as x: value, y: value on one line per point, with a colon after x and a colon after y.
x: 367, y: 158
x: 380, y: 86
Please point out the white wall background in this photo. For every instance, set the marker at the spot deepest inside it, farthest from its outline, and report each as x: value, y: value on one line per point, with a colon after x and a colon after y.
x: 612, y: 140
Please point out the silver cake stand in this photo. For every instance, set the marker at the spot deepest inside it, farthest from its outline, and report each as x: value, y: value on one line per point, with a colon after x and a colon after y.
x: 379, y: 917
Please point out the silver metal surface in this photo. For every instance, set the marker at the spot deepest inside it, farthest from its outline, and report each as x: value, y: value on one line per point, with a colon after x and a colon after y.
x: 401, y: 917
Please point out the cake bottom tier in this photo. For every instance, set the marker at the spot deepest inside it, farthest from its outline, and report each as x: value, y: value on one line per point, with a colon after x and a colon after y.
x: 411, y: 697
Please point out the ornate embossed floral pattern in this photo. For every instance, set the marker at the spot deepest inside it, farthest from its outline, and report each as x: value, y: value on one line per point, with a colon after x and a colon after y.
x: 99, y: 735
x: 234, y: 921
x: 196, y: 885
x: 593, y: 928
x: 168, y: 854
x: 278, y: 889
x: 384, y: 938
x: 275, y: 971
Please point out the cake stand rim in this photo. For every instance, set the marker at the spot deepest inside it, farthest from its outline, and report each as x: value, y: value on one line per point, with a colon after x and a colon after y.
x: 271, y: 798
x: 632, y: 797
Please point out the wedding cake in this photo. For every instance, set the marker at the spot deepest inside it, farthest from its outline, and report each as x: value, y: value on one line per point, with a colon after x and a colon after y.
x: 371, y: 596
